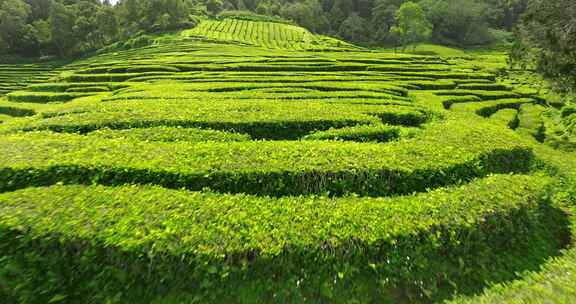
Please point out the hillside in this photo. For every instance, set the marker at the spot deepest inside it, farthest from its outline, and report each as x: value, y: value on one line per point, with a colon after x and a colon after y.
x: 245, y: 161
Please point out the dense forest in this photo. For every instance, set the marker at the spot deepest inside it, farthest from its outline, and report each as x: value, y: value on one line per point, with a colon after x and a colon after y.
x: 545, y: 31
x: 63, y: 27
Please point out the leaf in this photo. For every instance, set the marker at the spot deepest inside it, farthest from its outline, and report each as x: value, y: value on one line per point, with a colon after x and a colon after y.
x: 58, y: 298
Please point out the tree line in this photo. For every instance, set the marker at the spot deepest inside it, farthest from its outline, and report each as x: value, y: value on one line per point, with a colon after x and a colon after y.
x: 453, y: 22
x: 66, y: 27
x: 546, y: 41
x: 69, y: 27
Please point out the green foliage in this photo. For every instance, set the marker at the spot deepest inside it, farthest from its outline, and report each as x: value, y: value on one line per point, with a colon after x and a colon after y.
x: 432, y: 160
x: 17, y: 76
x: 413, y: 27
x: 43, y: 97
x: 340, y: 175
x: 250, y: 16
x: 531, y: 121
x: 368, y: 133
x: 554, y: 283
x: 508, y: 117
x: 271, y: 35
x: 166, y: 134
x: 147, y: 242
x: 458, y: 22
x: 546, y: 40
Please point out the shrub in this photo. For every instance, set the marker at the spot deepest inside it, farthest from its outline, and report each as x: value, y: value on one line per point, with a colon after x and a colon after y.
x: 433, y: 159
x: 166, y: 134
x: 145, y: 243
x: 368, y: 133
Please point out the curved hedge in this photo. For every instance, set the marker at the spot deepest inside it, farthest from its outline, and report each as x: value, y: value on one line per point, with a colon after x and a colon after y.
x: 132, y: 244
x: 167, y: 134
x: 260, y: 119
x: 430, y: 160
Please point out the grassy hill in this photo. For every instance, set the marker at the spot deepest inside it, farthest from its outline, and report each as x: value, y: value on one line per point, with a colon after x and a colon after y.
x: 244, y: 161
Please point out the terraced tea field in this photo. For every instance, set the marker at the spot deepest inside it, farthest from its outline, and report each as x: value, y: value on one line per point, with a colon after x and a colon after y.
x: 265, y: 34
x: 236, y: 162
x: 17, y: 76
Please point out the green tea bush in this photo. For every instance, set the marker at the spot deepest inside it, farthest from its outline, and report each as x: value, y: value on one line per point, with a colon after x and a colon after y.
x: 133, y: 244
x: 531, y: 121
x: 259, y: 119
x: 432, y: 159
x: 368, y: 133
x: 324, y: 173
x: 66, y: 87
x: 484, y: 95
x: 16, y: 112
x: 507, y: 117
x: 487, y: 108
x: 43, y: 97
x: 166, y: 134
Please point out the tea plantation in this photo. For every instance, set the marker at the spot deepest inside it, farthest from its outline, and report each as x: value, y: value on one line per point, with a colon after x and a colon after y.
x: 256, y: 162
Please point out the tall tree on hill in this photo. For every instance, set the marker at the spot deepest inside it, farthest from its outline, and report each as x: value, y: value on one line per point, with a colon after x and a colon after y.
x: 354, y: 28
x: 412, y: 27
x: 383, y: 18
x: 62, y: 20
x: 547, y: 36
x: 458, y: 22
x: 107, y: 22
x: 308, y: 14
x: 13, y: 25
x: 215, y: 6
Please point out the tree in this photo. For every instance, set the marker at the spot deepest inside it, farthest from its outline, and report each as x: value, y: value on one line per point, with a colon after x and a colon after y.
x: 458, y: 22
x: 383, y: 19
x: 547, y: 39
x: 107, y: 22
x: 13, y: 17
x: 62, y: 21
x: 412, y: 25
x: 308, y: 14
x: 353, y: 28
x: 215, y: 6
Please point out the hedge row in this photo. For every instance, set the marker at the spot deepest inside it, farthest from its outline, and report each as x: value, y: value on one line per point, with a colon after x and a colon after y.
x: 488, y: 108
x: 110, y: 77
x: 91, y: 89
x: 279, y: 77
x: 439, y: 84
x: 139, y: 244
x: 433, y: 159
x: 448, y: 75
x: 507, y: 117
x: 273, y: 94
x: 43, y: 97
x: 129, y: 69
x: 261, y: 120
x: 531, y: 122
x: 326, y: 86
x: 367, y: 133
x: 16, y: 112
x: 552, y: 284
x: 67, y: 86
x: 484, y: 87
x: 4, y: 117
x: 167, y: 134
x: 216, y: 65
x: 484, y: 95
x: 459, y: 99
